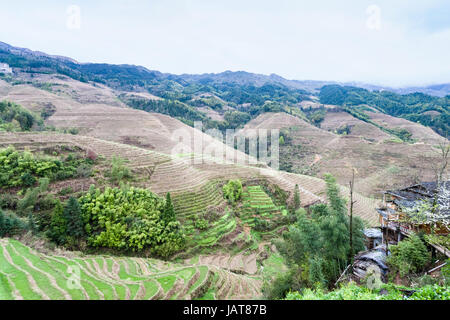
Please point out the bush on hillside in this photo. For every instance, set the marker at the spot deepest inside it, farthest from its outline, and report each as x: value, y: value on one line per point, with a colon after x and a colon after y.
x: 130, y: 219
x: 408, y: 256
x: 10, y: 225
x: 232, y: 191
x: 23, y: 169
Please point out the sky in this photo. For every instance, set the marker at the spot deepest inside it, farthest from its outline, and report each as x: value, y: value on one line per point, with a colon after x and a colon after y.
x: 385, y: 42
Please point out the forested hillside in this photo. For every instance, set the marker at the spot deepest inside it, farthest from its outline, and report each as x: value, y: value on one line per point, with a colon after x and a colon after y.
x: 418, y: 107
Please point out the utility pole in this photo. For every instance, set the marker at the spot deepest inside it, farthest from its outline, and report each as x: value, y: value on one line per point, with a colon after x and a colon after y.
x: 352, y: 184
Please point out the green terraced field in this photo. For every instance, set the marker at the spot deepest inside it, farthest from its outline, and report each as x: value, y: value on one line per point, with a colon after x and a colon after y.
x: 258, y: 204
x: 30, y: 275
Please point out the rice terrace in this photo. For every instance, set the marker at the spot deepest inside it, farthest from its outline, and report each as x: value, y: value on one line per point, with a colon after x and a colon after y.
x: 120, y: 182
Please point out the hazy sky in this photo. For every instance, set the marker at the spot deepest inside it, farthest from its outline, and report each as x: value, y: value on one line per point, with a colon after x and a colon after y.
x: 391, y: 42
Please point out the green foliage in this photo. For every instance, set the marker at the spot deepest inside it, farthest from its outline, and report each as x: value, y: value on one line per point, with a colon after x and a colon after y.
x: 316, y: 117
x: 168, y: 213
x: 232, y: 191
x: 343, y: 130
x: 31, y: 225
x: 280, y: 286
x: 73, y: 219
x: 445, y: 271
x: 57, y: 231
x: 318, y: 243
x: 201, y: 224
x: 26, y: 204
x: 236, y: 119
x: 170, y: 107
x: 431, y: 292
x: 130, y: 219
x: 408, y: 256
x: 410, y: 106
x: 10, y: 224
x: 22, y: 168
x: 8, y: 201
x: 28, y: 180
x: 118, y: 170
x: 297, y: 202
x: 16, y: 118
x: 351, y: 291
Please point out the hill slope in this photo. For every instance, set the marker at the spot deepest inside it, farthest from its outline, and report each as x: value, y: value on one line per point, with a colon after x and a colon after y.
x: 381, y: 161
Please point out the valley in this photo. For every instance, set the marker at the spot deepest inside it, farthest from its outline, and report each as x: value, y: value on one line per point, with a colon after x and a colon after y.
x: 100, y: 134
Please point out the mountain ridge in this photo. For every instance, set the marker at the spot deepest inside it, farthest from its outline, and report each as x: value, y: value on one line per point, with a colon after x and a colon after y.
x: 242, y: 77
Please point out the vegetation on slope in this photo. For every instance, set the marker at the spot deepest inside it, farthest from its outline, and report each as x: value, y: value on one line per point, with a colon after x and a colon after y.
x: 317, y: 247
x: 412, y: 106
x: 16, y: 118
x: 352, y: 291
x: 23, y: 169
x: 131, y: 219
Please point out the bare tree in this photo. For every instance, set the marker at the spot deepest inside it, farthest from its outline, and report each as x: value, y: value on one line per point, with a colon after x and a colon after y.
x: 352, y: 185
x: 440, y: 169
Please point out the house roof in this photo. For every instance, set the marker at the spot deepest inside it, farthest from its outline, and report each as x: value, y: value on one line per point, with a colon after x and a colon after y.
x: 410, y: 198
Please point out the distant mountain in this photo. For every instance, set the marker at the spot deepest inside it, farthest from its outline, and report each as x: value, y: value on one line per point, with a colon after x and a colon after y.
x: 439, y: 90
x: 137, y: 76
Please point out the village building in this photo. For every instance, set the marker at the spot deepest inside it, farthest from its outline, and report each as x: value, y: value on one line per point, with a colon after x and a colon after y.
x: 4, y: 68
x: 424, y: 207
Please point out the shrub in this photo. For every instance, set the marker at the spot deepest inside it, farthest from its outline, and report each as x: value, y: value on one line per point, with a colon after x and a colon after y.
x: 84, y: 171
x: 65, y: 191
x: 27, y: 180
x: 10, y: 224
x: 297, y: 201
x: 58, y: 225
x: 431, y: 292
x: 118, y: 170
x: 22, y: 169
x: 201, y: 224
x: 408, y: 256
x: 232, y: 191
x: 8, y: 201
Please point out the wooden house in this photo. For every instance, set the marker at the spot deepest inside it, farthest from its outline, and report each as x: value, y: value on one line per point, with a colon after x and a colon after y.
x: 422, y: 207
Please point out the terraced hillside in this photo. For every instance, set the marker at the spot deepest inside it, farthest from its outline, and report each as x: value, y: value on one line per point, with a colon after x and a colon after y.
x: 378, y: 156
x: 257, y: 204
x: 30, y: 275
x: 191, y: 184
x: 96, y: 111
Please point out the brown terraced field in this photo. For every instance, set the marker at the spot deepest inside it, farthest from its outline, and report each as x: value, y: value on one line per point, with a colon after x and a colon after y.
x: 381, y: 161
x: 181, y: 177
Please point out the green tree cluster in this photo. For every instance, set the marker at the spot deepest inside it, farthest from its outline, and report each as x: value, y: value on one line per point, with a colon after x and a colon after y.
x: 408, y: 256
x: 131, y: 219
x: 10, y: 224
x: 16, y: 118
x: 232, y: 191
x: 22, y: 168
x: 317, y: 247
